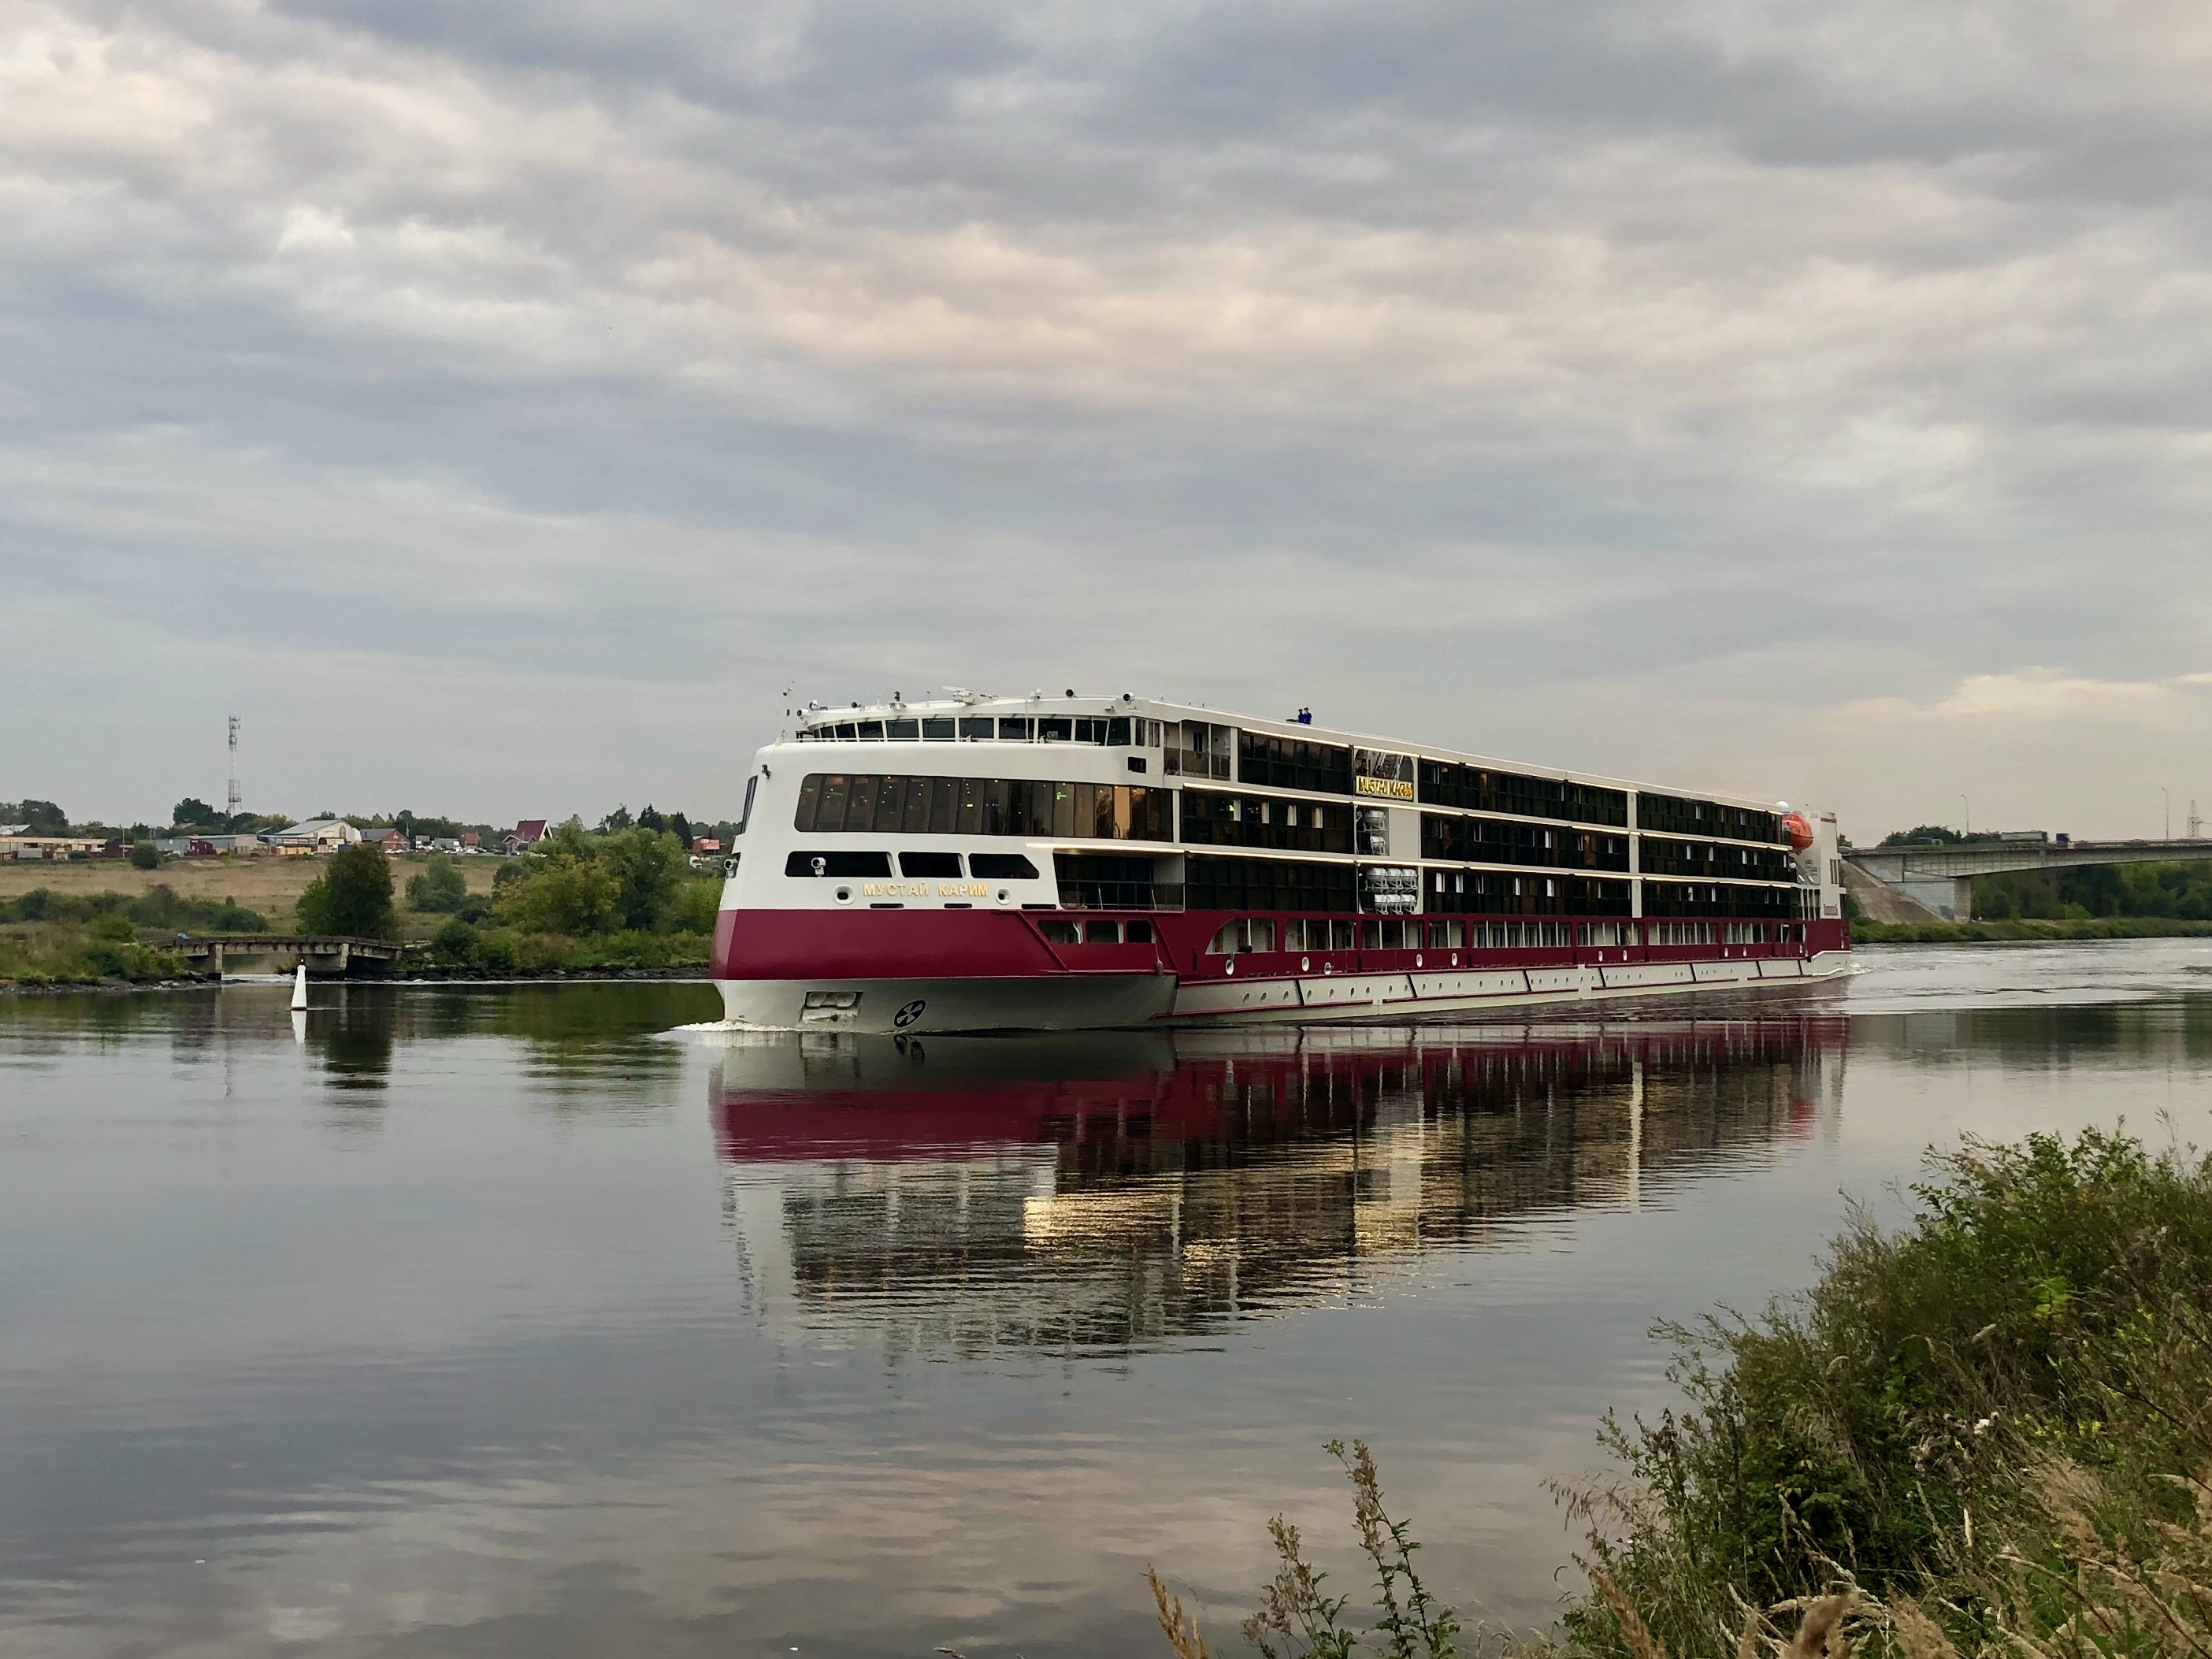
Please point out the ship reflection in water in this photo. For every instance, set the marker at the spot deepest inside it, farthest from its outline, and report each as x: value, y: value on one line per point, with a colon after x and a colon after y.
x: 1102, y: 1193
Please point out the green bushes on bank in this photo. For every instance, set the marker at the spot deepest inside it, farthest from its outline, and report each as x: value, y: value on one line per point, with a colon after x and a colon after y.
x: 625, y: 899
x: 1990, y: 1433
x: 159, y: 907
x: 1962, y: 933
x: 61, y: 954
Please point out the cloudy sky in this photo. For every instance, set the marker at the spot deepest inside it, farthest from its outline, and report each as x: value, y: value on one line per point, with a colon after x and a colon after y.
x: 498, y: 406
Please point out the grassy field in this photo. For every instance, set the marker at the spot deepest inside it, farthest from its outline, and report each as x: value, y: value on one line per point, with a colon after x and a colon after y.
x: 270, y: 885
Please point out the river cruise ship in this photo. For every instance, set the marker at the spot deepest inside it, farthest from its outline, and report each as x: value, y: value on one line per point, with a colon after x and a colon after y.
x: 1065, y: 862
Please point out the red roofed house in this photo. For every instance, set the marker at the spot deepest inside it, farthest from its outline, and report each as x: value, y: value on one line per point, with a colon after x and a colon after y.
x: 528, y: 833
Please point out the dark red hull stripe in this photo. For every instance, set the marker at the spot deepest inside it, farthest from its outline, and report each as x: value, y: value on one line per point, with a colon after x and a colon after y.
x: 837, y: 944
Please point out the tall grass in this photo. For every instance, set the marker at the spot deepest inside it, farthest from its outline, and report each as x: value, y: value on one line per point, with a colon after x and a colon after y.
x: 1991, y: 1432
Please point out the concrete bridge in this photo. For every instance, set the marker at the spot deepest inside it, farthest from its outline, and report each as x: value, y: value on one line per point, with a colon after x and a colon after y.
x: 1936, y: 883
x: 324, y: 954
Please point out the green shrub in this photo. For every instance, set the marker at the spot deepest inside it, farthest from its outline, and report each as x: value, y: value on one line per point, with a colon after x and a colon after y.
x: 1999, y: 1422
x: 144, y: 855
x: 456, y: 942
x: 2050, y: 1304
x: 695, y: 907
x: 498, y: 952
x: 352, y: 896
x: 564, y: 894
x: 538, y: 951
x: 438, y: 887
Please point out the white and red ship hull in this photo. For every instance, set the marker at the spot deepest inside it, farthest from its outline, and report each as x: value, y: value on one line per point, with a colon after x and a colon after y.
x: 944, y: 868
x: 1386, y: 986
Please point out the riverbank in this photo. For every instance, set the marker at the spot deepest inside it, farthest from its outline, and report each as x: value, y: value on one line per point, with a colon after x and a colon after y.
x: 2027, y: 932
x: 1992, y: 1429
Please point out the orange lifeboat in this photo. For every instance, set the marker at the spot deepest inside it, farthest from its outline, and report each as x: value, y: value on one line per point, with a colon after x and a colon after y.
x: 1800, y: 831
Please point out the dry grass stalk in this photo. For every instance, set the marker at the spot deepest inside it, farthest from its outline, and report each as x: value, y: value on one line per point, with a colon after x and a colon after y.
x: 1820, y: 1629
x: 1635, y: 1634
x: 1916, y: 1634
x: 1183, y: 1636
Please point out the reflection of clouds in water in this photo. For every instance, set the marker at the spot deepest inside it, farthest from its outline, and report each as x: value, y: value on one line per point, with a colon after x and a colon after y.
x: 709, y: 1548
x: 1135, y: 1190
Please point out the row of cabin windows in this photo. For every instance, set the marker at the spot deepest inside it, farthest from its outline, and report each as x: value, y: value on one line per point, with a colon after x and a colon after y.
x: 1197, y: 748
x: 1681, y: 816
x: 1475, y: 892
x: 1670, y: 898
x: 1098, y: 933
x: 1324, y: 769
x: 1485, y: 841
x: 1483, y: 789
x: 869, y: 804
x: 1115, y: 731
x: 1657, y: 856
x: 1308, y: 934
x: 1218, y: 883
x: 1290, y: 826
x: 914, y: 867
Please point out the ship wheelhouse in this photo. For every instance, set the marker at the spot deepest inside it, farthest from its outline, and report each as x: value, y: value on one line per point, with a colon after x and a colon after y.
x: 1124, y: 837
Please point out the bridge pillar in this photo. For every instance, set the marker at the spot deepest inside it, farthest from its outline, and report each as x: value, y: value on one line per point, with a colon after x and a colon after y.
x: 345, y: 956
x: 1951, y: 897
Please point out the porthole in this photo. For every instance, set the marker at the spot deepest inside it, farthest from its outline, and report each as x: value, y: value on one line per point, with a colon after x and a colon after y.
x: 1006, y: 894
x: 1232, y: 966
x: 1416, y: 959
x: 844, y: 896
x: 1303, y: 964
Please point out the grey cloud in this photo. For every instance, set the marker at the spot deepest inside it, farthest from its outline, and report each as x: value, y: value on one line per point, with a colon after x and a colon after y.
x: 1615, y: 381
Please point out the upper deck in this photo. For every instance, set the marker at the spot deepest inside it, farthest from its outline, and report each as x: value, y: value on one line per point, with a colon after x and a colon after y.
x: 1089, y: 739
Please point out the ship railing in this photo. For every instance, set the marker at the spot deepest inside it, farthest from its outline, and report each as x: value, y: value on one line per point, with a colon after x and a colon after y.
x: 1121, y: 896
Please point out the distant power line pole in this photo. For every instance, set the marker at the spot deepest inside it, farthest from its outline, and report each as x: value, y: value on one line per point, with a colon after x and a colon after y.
x: 235, y: 796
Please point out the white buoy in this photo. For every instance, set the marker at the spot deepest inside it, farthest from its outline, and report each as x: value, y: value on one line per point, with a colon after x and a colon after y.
x: 300, y: 990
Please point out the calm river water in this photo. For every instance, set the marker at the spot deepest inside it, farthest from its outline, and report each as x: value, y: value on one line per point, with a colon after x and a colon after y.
x: 500, y: 1320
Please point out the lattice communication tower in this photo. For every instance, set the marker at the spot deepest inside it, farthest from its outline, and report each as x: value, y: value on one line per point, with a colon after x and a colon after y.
x: 234, y: 766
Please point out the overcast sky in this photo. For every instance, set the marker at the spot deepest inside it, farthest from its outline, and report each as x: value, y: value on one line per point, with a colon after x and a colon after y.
x: 498, y: 405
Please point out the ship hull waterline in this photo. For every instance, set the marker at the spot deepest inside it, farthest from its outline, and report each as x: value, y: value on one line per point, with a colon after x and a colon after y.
x: 920, y: 1005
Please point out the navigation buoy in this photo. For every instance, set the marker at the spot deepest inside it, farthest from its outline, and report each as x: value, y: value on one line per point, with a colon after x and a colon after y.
x: 300, y: 990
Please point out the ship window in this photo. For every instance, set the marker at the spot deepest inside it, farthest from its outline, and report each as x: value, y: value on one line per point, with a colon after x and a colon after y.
x: 1447, y: 935
x: 1056, y: 728
x: 1392, y: 935
x: 1246, y: 933
x: 1015, y: 730
x: 1061, y: 933
x: 861, y: 800
x: 848, y: 731
x: 1000, y: 867
x: 745, y: 816
x: 1316, y: 933
x: 871, y: 730
x: 929, y: 866
x: 902, y: 731
x: 843, y: 865
x: 1101, y: 932
x: 975, y: 728
x: 938, y: 728
x: 1140, y: 932
x: 1117, y: 732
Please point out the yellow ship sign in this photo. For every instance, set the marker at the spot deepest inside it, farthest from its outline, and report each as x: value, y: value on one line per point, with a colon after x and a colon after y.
x: 1387, y: 789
